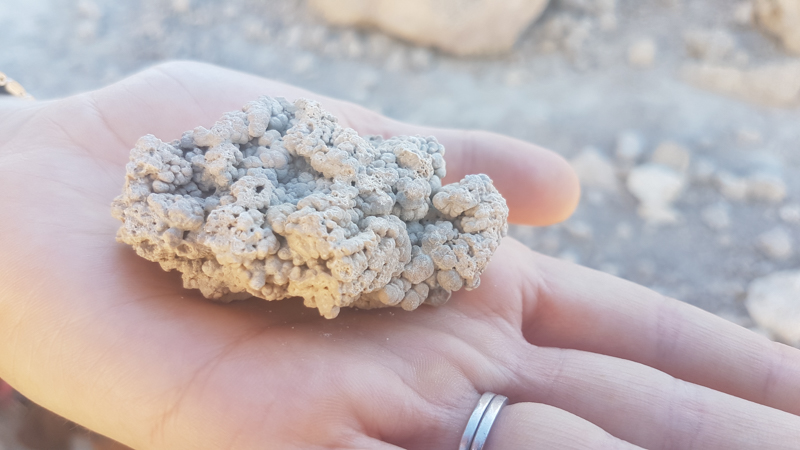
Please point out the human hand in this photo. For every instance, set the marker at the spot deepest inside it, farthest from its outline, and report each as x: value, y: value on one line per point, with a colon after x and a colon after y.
x: 105, y: 338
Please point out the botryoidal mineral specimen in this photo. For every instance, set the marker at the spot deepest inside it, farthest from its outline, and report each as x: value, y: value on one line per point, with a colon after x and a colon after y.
x: 278, y: 200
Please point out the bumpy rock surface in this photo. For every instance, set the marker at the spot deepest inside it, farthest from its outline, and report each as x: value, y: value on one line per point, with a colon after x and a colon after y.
x: 455, y: 26
x: 278, y: 200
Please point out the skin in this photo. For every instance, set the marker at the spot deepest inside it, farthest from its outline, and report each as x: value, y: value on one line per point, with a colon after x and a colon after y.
x: 109, y: 340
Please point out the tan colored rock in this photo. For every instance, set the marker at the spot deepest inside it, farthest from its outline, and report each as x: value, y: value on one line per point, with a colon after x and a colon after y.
x: 782, y: 19
x: 770, y: 85
x: 278, y: 200
x: 461, y: 27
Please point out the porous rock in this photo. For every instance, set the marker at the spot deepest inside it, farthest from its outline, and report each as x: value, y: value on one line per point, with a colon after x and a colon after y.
x: 461, y: 27
x: 278, y: 200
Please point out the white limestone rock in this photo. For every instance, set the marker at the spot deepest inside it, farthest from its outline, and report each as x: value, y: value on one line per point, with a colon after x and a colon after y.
x: 776, y: 243
x: 278, y: 200
x: 656, y: 187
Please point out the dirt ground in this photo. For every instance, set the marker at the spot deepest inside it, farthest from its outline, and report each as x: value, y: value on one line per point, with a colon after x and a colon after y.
x: 603, y: 86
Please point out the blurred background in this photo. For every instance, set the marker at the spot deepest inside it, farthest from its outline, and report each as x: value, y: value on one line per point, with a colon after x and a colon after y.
x: 681, y: 117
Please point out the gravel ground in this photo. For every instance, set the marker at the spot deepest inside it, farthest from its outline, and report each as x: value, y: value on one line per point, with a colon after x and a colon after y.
x: 603, y: 86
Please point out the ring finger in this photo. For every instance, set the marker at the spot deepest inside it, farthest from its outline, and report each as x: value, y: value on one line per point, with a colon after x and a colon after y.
x: 536, y: 425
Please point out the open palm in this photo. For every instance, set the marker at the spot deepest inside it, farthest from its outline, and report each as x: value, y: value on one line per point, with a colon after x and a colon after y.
x: 107, y: 339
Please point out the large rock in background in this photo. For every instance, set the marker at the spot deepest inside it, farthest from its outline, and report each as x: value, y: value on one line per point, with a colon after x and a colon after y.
x: 781, y: 18
x: 461, y: 27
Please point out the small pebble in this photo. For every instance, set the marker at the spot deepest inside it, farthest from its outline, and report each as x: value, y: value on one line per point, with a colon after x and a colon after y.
x: 776, y: 243
x: 642, y: 53
x: 672, y: 155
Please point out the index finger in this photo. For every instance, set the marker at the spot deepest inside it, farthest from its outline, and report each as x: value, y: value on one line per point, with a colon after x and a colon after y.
x: 539, y: 185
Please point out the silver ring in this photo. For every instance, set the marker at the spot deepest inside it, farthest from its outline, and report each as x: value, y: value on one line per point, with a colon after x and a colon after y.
x: 481, y: 421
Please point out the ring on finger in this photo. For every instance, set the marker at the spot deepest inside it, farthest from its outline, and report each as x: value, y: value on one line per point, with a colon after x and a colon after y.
x: 481, y: 420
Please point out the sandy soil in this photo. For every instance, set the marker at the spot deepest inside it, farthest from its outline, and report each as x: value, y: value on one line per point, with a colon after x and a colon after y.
x: 581, y: 76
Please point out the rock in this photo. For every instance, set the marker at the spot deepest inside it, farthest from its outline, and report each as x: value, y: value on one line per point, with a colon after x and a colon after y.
x: 773, y: 302
x: 656, y: 187
x: 642, y: 53
x: 766, y: 187
x: 629, y: 146
x: 709, y: 45
x: 770, y: 85
x: 781, y: 18
x: 790, y: 214
x: 731, y: 187
x: 776, y: 243
x: 672, y: 155
x: 759, y: 187
x: 717, y: 216
x: 595, y: 170
x: 480, y: 27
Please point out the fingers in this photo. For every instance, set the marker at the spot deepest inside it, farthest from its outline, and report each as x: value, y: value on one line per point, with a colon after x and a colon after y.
x: 646, y: 407
x: 535, y: 425
x: 573, y: 307
x: 540, y: 186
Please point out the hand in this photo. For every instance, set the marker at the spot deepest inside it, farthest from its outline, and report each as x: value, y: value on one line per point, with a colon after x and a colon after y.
x: 107, y: 339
